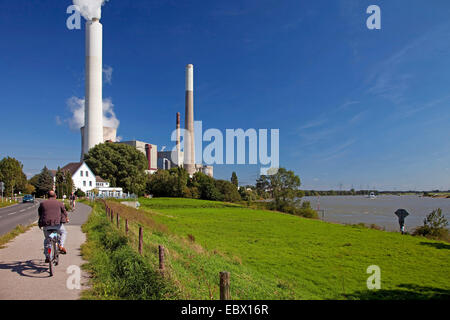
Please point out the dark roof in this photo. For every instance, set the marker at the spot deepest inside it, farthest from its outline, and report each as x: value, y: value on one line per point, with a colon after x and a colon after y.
x: 72, y: 167
x: 99, y: 179
x: 53, y: 173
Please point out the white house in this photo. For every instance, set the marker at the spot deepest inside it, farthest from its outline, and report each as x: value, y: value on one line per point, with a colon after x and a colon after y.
x: 82, y: 176
x: 85, y: 180
x: 105, y: 190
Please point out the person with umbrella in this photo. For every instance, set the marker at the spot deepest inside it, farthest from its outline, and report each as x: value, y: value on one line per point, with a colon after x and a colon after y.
x: 401, y: 214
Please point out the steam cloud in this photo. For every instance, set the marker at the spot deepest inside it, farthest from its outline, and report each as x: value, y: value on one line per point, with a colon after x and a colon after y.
x: 89, y: 8
x: 107, y: 72
x: 76, y: 106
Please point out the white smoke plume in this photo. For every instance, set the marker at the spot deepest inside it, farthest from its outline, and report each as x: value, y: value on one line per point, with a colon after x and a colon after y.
x: 107, y: 72
x: 90, y: 9
x: 76, y: 106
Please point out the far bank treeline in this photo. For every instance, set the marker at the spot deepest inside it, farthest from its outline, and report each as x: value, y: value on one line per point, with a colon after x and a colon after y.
x: 124, y: 166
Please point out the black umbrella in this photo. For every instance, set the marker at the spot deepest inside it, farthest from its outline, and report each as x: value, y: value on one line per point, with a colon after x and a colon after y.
x: 401, y: 213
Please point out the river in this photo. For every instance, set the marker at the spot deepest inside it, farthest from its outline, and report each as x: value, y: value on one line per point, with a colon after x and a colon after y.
x: 380, y: 211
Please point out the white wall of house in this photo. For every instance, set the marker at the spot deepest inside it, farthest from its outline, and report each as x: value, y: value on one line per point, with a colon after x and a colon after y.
x: 84, y: 178
x: 102, y: 184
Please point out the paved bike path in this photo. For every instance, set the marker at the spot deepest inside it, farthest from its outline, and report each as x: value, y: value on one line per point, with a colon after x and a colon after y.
x: 24, y: 274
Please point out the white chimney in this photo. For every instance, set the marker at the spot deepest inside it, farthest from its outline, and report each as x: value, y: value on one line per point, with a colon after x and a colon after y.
x: 93, y: 106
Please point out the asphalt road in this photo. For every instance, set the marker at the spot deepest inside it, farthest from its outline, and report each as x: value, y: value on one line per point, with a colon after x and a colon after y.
x: 22, y: 213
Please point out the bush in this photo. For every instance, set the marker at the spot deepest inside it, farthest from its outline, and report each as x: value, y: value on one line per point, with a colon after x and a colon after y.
x: 80, y: 193
x: 434, y: 226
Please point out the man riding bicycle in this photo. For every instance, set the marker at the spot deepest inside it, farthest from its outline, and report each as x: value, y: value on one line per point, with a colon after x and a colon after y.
x: 52, y: 216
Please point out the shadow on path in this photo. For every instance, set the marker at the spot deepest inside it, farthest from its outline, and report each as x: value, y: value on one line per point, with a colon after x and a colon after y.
x: 29, y: 268
x: 402, y: 292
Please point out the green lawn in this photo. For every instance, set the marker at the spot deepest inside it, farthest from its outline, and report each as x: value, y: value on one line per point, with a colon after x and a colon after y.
x: 277, y: 256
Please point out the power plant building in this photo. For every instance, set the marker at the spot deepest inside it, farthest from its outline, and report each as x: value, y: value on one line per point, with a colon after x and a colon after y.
x: 150, y: 151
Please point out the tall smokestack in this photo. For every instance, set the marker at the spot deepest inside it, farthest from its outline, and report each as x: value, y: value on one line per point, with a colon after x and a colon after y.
x: 148, y: 152
x: 93, y: 131
x: 178, y: 140
x: 189, y: 140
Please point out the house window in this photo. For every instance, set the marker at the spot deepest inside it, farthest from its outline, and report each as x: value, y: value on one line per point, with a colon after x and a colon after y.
x: 84, y: 183
x: 81, y: 173
x: 90, y: 183
x: 87, y: 174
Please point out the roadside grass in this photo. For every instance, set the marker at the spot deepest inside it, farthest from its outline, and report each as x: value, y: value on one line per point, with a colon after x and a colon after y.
x: 278, y: 256
x: 4, y: 239
x: 118, y: 271
x: 5, y: 204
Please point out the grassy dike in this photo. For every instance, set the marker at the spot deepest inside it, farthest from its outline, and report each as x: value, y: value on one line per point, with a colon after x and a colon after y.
x: 118, y: 271
x: 270, y: 255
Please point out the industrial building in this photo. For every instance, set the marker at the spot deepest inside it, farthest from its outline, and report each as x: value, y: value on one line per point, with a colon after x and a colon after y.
x: 150, y: 151
x: 94, y: 132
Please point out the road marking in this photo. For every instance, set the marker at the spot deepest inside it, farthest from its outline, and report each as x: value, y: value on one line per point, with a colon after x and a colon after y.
x: 12, y: 213
x: 22, y: 210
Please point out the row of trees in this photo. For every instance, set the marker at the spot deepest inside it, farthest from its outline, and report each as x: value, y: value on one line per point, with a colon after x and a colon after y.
x: 176, y: 183
x: 351, y: 192
x: 12, y: 175
x: 124, y: 166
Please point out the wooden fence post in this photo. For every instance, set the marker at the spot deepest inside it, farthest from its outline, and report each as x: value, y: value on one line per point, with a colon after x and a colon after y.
x: 117, y: 220
x: 140, y: 240
x: 112, y: 216
x: 161, y: 259
x: 126, y: 227
x: 225, y: 286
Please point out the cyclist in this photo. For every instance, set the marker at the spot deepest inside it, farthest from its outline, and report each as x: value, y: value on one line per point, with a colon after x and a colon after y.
x: 52, y: 215
x: 72, y: 198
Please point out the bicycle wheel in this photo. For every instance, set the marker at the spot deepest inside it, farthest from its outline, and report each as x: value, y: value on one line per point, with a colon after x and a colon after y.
x: 56, y: 248
x: 50, y: 257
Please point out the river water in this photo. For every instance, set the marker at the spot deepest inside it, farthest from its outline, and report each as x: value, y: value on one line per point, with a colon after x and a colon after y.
x: 380, y: 211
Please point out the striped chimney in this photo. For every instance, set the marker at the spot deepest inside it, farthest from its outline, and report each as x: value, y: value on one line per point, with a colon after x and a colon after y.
x: 189, y: 140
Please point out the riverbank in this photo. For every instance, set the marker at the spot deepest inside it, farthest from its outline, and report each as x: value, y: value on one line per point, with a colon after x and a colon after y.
x: 379, y: 211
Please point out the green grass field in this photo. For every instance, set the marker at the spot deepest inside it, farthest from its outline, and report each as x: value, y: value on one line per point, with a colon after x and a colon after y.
x: 271, y: 255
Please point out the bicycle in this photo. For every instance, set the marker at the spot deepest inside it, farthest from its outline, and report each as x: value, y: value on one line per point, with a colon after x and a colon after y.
x: 53, y: 250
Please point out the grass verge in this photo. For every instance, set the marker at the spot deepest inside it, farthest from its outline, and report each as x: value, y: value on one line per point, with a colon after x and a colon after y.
x: 4, y: 239
x: 118, y: 271
x: 7, y: 204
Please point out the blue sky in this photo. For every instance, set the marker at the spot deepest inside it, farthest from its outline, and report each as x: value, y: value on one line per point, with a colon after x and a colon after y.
x: 355, y: 107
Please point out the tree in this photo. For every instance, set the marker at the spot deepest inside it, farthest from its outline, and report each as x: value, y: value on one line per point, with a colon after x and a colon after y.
x: 44, y: 183
x: 228, y: 191
x: 80, y: 193
x: 234, y: 179
x: 206, y: 186
x: 11, y: 173
x: 68, y: 183
x: 434, y: 226
x: 59, y: 183
x: 29, y: 189
x: 283, y: 186
x: 122, y: 165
